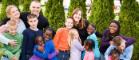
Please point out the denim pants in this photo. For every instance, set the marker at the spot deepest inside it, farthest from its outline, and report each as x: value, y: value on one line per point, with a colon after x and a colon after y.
x: 4, y: 58
x: 63, y: 55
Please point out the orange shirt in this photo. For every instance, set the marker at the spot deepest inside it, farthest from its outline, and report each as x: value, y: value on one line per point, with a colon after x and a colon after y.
x: 61, y: 39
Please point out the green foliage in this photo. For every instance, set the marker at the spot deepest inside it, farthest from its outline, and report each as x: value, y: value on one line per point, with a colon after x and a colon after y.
x: 77, y: 4
x: 25, y: 5
x: 129, y: 22
x: 5, y: 3
x: 101, y: 13
x: 55, y: 13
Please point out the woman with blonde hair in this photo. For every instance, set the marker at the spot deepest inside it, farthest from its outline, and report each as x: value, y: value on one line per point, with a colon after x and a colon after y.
x: 13, y: 14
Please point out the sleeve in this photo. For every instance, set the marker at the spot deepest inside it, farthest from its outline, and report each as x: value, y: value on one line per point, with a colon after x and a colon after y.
x: 54, y: 53
x: 94, y: 38
x: 127, y: 55
x: 78, y: 45
x: 56, y: 38
x: 23, y: 47
x: 8, y: 53
x: 108, y: 51
x: 18, y: 53
x: 129, y: 41
x: 23, y: 17
x: 40, y: 54
x: 104, y: 39
x: 3, y: 39
x: 46, y: 23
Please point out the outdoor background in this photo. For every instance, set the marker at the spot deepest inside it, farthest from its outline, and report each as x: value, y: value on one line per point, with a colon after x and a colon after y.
x: 99, y: 12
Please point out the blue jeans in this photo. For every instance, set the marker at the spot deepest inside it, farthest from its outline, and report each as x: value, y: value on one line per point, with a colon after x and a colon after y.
x: 4, y: 58
x: 63, y: 55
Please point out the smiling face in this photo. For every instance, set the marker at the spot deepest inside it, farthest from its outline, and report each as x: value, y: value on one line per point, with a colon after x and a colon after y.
x: 113, y: 28
x: 77, y: 16
x: 69, y: 23
x: 12, y: 12
x: 39, y: 40
x: 35, y: 8
x: 90, y: 29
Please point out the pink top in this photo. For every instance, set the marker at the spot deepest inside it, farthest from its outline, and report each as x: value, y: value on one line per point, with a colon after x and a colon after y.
x: 109, y: 58
x: 89, y: 55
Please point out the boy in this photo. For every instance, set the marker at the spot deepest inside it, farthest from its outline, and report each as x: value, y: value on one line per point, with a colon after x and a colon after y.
x: 29, y: 37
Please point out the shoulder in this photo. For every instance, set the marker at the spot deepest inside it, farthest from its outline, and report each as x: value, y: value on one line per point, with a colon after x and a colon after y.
x: 61, y: 29
x: 26, y: 31
x: 24, y: 13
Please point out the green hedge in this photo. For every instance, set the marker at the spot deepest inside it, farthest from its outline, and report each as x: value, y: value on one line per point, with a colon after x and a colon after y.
x: 101, y: 13
x: 129, y: 16
x: 55, y: 13
x: 77, y: 4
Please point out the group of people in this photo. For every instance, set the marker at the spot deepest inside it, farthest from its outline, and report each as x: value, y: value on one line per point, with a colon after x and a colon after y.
x: 27, y: 36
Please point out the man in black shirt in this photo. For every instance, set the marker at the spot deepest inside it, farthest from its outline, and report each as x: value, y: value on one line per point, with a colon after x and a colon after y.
x: 35, y: 8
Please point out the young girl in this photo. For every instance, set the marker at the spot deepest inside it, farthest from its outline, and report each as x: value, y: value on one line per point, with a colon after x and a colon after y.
x: 45, y: 51
x: 91, y: 31
x: 39, y: 42
x: 75, y: 45
x: 114, y: 55
x: 89, y: 54
x: 61, y: 40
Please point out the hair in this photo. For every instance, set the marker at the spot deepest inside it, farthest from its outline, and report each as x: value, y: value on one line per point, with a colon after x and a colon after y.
x: 117, y: 40
x: 81, y: 24
x: 30, y: 16
x: 118, y: 24
x: 8, y: 9
x: 115, y: 53
x: 71, y: 36
x: 90, y: 44
x: 69, y: 18
x: 49, y: 32
x: 37, y: 39
x: 36, y: 1
x: 93, y: 25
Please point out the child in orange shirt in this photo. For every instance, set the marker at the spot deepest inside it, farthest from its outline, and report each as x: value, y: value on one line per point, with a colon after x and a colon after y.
x: 61, y: 40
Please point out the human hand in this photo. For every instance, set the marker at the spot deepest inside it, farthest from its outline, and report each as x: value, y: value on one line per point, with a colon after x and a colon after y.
x: 111, y: 42
x: 14, y: 58
x: 41, y: 48
x: 12, y: 42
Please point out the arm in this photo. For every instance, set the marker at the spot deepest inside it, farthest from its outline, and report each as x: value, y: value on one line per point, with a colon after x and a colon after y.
x: 40, y: 54
x: 18, y: 53
x: 108, y: 51
x: 3, y: 39
x: 78, y: 45
x: 105, y: 39
x: 23, y: 46
x: 54, y: 52
x: 46, y: 24
x: 8, y: 53
x: 129, y: 41
x: 56, y: 38
x: 127, y: 54
x: 94, y: 38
